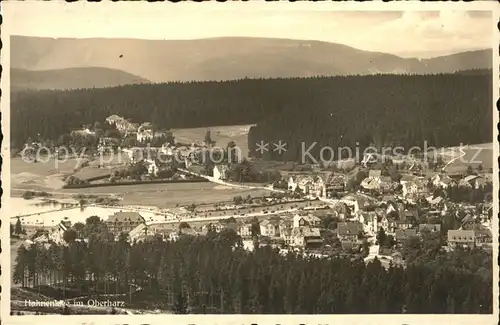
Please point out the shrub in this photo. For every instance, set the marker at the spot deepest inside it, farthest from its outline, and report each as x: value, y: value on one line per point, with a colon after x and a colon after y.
x: 28, y: 195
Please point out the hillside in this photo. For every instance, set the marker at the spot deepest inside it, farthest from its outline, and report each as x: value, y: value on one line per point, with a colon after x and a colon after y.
x: 71, y: 78
x: 471, y: 60
x: 445, y: 110
x: 226, y: 58
x: 384, y: 111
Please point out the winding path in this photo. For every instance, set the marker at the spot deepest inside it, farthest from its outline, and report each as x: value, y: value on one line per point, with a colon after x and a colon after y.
x: 463, y: 153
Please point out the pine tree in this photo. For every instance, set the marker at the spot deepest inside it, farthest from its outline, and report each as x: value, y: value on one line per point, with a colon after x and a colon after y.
x: 19, y: 229
x: 181, y: 306
x: 381, y: 237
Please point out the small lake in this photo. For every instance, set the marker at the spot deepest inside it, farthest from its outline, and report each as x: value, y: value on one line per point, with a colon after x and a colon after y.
x: 42, y: 213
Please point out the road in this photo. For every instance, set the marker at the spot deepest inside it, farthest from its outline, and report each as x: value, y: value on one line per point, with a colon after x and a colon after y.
x: 236, y: 216
x: 115, y: 207
x: 221, y: 182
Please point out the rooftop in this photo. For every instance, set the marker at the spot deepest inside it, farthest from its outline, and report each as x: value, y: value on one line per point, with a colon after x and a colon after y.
x: 405, y: 233
x: 409, y: 178
x: 349, y: 228
x: 125, y: 216
x: 306, y: 232
x: 461, y: 234
x: 431, y: 227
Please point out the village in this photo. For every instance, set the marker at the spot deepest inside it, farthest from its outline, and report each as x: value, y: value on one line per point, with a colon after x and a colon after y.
x: 314, y: 162
x: 374, y: 209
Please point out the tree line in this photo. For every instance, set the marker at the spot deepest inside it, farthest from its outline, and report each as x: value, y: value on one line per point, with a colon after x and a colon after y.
x: 214, y: 274
x: 381, y: 109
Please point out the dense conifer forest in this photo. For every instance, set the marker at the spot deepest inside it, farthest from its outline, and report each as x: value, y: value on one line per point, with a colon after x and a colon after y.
x: 382, y: 109
x: 214, y: 274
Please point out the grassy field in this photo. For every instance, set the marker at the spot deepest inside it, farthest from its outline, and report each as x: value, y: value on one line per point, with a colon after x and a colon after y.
x: 170, y: 195
x: 48, y: 175
x: 41, y: 175
x: 90, y: 172
x: 220, y: 134
x: 478, y: 154
x: 44, y: 168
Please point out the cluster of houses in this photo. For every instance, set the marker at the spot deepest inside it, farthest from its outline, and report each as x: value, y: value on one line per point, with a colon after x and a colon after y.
x: 123, y: 125
x: 308, y: 185
x: 142, y: 132
x: 301, y: 230
x: 410, y: 187
x: 157, y: 155
x: 360, y: 218
x: 378, y: 202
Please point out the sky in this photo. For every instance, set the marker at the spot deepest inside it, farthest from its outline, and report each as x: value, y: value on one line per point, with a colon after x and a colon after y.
x: 402, y: 32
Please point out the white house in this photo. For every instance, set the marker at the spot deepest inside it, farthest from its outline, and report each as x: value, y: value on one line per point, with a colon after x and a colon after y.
x: 394, y: 207
x: 387, y: 225
x: 473, y: 181
x: 411, y: 185
x: 358, y: 201
x: 286, y: 235
x: 292, y: 184
x: 270, y: 228
x: 409, y: 188
x: 173, y: 236
x: 308, y: 185
x: 302, y: 221
x: 219, y: 227
x: 152, y: 167
x: 221, y: 172
x: 245, y: 230
x: 57, y: 234
x: 145, y: 132
x: 369, y: 222
x: 301, y: 235
x: 317, y: 187
x: 285, y: 229
x: 187, y: 162
x: 435, y: 201
x: 370, y: 183
x: 114, y: 119
x: 167, y: 149
x: 127, y: 128
x: 441, y: 181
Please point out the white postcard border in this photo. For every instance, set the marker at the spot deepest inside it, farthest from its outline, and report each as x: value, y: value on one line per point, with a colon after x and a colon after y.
x: 101, y: 12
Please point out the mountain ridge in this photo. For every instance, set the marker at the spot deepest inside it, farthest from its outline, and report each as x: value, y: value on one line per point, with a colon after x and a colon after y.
x: 71, y: 78
x: 228, y: 58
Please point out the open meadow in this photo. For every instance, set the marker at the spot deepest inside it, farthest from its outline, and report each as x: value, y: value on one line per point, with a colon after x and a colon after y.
x: 48, y: 174
x: 43, y: 175
x: 459, y: 158
x: 170, y: 195
x: 220, y: 134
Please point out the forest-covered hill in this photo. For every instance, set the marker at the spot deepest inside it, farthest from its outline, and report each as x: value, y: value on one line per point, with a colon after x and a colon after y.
x: 406, y: 111
x: 400, y: 109
x: 71, y: 78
